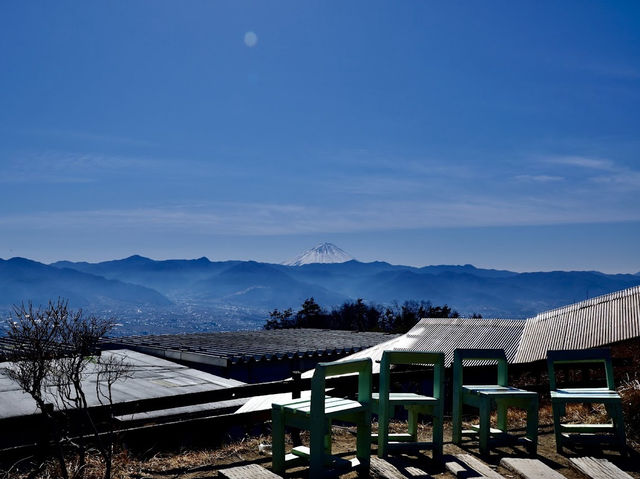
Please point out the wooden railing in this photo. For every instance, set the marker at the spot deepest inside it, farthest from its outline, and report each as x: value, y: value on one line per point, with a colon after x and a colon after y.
x: 35, y: 423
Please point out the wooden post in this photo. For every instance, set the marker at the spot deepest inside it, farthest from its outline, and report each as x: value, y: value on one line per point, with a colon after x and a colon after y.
x: 295, y: 394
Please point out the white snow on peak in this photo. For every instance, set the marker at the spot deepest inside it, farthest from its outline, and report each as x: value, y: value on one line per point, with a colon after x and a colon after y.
x: 323, y: 253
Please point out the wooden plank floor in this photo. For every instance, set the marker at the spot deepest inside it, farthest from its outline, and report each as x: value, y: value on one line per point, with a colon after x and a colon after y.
x: 252, y: 471
x: 596, y: 468
x: 530, y: 468
x: 464, y: 466
x: 384, y: 469
x: 478, y: 466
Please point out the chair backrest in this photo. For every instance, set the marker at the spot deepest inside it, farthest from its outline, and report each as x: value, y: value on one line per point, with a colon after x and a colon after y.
x: 460, y: 355
x: 325, y: 370
x: 577, y: 357
x: 434, y: 358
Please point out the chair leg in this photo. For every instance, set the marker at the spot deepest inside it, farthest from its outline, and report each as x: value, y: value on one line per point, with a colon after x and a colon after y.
x: 557, y: 409
x: 412, y: 423
x: 618, y: 421
x: 502, y: 416
x: 456, y: 433
x: 437, y: 435
x: 317, y: 444
x: 485, y: 425
x: 277, y: 448
x: 532, y: 425
x: 327, y: 438
x: 562, y: 409
x: 363, y: 445
x: 383, y: 430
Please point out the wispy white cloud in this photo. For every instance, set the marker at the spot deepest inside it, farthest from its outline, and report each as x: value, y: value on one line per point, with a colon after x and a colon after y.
x: 587, y: 172
x: 582, y: 162
x: 376, y: 185
x: 233, y: 218
x: 539, y: 178
x: 624, y: 178
x: 400, y: 165
x: 362, y: 172
x: 378, y: 199
x: 69, y: 167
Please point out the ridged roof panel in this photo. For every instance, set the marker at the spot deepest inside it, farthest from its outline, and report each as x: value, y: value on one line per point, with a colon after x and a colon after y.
x: 243, y: 346
x: 594, y: 322
x: 448, y: 334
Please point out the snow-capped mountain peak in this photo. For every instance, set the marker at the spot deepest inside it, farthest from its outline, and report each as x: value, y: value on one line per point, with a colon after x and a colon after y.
x: 323, y: 253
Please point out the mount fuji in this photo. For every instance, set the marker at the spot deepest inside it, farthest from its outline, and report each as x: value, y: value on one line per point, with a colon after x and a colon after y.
x: 323, y: 253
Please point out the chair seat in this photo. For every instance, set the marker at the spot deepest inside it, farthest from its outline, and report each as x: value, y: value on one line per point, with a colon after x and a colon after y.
x: 585, y: 394
x: 332, y: 407
x: 406, y: 399
x: 496, y: 392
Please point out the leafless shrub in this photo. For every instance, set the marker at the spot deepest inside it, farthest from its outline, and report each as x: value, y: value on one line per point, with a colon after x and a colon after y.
x: 53, y: 349
x: 630, y: 392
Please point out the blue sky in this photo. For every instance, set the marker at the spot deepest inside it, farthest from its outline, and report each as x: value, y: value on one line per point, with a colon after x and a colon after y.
x: 502, y: 134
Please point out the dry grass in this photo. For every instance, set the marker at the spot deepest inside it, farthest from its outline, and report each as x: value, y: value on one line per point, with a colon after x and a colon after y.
x: 126, y: 466
x: 204, y: 463
x: 122, y: 468
x: 630, y: 392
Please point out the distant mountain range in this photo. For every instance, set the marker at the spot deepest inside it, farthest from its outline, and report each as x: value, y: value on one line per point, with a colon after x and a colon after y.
x: 23, y: 280
x: 200, y: 290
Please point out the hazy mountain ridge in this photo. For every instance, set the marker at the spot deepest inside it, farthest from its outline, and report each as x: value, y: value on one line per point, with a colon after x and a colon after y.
x: 23, y: 280
x: 240, y: 290
x: 467, y: 288
x: 262, y: 285
x: 167, y: 276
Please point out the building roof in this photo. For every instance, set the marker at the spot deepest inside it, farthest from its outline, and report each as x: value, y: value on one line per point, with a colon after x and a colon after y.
x: 223, y: 349
x: 594, y: 322
x: 447, y: 334
x: 150, y: 377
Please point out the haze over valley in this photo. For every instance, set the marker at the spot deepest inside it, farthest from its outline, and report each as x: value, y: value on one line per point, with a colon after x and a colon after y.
x: 148, y: 296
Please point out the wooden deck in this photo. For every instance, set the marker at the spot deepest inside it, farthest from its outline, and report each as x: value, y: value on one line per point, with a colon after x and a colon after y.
x: 462, y: 466
x: 530, y: 468
x: 596, y: 468
x: 462, y: 462
x: 252, y: 471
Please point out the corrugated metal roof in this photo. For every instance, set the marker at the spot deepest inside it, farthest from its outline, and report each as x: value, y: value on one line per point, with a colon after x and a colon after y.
x: 471, y: 334
x: 5, y: 347
x: 243, y: 346
x: 594, y: 322
x: 150, y: 377
x: 447, y: 334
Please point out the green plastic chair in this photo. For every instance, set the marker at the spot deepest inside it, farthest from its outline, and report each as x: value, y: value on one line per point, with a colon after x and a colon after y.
x: 487, y: 397
x: 608, y: 396
x: 316, y: 415
x: 384, y: 403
